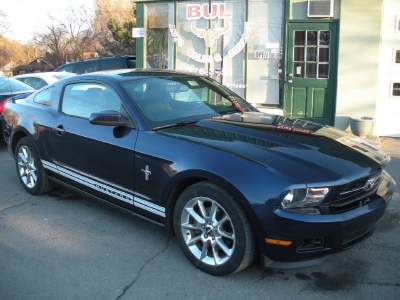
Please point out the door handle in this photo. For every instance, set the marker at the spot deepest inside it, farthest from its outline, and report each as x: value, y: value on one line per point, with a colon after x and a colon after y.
x: 60, y: 129
x: 290, y: 81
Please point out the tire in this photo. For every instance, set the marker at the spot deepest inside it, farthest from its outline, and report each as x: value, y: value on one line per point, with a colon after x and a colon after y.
x: 30, y: 169
x: 213, y: 230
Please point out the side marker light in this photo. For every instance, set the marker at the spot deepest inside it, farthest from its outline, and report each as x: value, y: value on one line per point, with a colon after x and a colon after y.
x: 278, y: 242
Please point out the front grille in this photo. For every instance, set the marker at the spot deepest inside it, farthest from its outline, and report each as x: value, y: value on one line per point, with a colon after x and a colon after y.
x: 355, y: 235
x: 357, y: 193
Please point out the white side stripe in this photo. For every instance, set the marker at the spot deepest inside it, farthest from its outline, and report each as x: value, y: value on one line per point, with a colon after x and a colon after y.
x: 146, y: 205
x: 118, y: 194
x: 103, y: 188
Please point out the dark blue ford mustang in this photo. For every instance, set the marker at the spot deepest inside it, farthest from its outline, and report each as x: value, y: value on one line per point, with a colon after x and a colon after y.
x: 184, y: 151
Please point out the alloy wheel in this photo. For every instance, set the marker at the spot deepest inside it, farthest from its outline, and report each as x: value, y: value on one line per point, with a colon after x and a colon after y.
x: 208, y: 231
x: 26, y: 167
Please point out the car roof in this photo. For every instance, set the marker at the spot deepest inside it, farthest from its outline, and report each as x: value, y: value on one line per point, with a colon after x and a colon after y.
x: 105, y: 57
x: 43, y: 74
x: 131, y: 74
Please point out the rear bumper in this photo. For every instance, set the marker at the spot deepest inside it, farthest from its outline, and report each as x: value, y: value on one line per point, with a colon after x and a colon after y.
x: 315, y: 237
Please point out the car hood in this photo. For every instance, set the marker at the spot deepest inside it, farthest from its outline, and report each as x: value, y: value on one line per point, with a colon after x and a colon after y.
x: 304, y: 150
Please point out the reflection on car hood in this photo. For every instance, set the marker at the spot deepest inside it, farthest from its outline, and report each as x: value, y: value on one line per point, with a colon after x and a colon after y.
x: 289, y: 146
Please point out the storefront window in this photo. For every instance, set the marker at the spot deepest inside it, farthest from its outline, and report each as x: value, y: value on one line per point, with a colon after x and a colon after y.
x: 160, y: 45
x: 191, y: 50
x: 209, y: 38
x: 214, y: 38
x: 265, y: 52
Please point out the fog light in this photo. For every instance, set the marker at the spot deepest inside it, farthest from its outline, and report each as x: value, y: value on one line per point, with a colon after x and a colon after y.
x: 310, y: 244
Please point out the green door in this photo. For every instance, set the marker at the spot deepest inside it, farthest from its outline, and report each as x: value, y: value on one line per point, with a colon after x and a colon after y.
x: 311, y: 72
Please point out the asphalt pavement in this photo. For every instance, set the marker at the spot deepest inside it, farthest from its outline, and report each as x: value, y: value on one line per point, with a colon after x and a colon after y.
x: 61, y: 246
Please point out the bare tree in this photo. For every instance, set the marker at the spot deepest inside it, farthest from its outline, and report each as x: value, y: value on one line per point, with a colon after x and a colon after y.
x: 54, y: 41
x: 107, y: 32
x: 72, y: 36
x: 4, y: 25
x: 77, y: 28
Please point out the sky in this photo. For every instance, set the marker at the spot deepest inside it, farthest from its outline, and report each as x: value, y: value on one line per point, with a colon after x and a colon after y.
x: 28, y: 16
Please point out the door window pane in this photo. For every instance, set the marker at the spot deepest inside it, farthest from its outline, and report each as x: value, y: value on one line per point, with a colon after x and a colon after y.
x: 298, y: 70
x: 311, y: 70
x: 323, y: 71
x: 298, y: 54
x: 316, y: 51
x: 311, y: 54
x: 323, y: 55
x: 299, y: 38
x: 312, y: 38
x: 324, y: 38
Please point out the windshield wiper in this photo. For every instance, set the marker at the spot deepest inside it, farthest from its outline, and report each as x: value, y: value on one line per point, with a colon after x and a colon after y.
x: 176, y: 124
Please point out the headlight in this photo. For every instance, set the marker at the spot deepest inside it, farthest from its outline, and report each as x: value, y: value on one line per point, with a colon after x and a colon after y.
x: 308, y: 197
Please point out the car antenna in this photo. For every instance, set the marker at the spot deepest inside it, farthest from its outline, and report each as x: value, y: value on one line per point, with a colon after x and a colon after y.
x: 12, y: 96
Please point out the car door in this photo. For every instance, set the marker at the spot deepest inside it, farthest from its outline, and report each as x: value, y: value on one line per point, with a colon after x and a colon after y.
x: 94, y: 158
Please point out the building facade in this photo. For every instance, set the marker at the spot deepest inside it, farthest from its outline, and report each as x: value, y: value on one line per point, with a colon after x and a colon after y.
x: 320, y: 60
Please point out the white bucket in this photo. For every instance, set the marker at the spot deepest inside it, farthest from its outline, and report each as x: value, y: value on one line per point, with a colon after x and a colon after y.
x: 361, y: 126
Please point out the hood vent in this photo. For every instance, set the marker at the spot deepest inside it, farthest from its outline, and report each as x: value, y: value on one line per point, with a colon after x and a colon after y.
x: 320, y: 8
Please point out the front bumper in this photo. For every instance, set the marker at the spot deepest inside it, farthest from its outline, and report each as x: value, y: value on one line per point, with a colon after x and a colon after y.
x: 315, y: 237
x: 271, y: 264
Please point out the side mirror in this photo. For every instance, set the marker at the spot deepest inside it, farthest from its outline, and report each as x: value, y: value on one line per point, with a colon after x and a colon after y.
x: 107, y: 118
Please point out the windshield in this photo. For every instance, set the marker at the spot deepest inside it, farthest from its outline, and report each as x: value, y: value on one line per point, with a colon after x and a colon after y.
x: 171, y: 100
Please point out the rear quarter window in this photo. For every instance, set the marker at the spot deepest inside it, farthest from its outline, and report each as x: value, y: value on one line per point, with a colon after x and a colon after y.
x: 44, y: 97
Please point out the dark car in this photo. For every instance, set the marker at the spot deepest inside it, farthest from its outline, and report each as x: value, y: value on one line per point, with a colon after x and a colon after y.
x: 90, y: 65
x: 12, y: 88
x: 183, y: 151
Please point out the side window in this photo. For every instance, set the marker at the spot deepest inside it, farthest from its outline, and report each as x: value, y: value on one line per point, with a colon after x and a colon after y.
x: 131, y: 63
x: 87, y: 67
x: 66, y: 68
x: 83, y: 99
x: 44, y: 97
x: 36, y: 83
x: 111, y: 64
